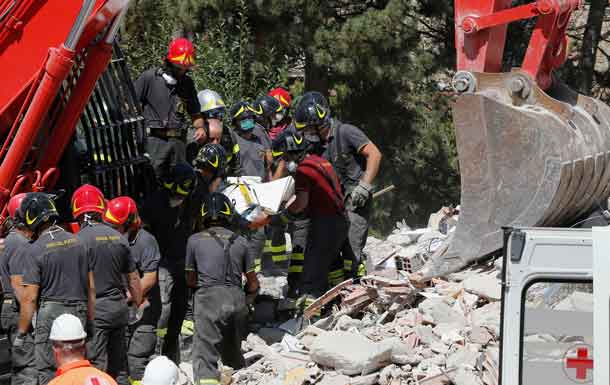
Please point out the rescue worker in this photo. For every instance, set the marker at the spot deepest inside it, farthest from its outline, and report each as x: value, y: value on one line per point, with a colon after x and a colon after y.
x: 167, y: 216
x: 161, y: 371
x: 23, y: 365
x: 282, y: 96
x: 68, y: 340
x: 215, y: 262
x: 169, y: 105
x: 253, y: 163
x: 253, y: 154
x: 318, y: 195
x: 58, y: 277
x: 113, y: 265
x: 356, y: 160
x: 209, y: 166
x: 122, y: 214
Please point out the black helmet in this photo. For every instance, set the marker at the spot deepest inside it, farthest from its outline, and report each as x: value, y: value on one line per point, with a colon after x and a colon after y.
x: 242, y: 112
x: 311, y: 113
x: 268, y: 110
x: 217, y: 208
x: 211, y: 157
x: 289, y: 142
x: 38, y: 208
x: 181, y: 180
x: 316, y: 97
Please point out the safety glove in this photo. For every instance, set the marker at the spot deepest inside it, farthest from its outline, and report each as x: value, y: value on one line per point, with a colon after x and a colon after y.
x: 361, y: 194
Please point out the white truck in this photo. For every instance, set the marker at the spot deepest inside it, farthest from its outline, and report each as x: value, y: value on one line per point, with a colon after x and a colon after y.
x: 545, y: 342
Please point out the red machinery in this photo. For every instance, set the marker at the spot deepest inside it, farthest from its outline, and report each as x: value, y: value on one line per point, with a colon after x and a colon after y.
x: 532, y: 152
x: 52, y: 53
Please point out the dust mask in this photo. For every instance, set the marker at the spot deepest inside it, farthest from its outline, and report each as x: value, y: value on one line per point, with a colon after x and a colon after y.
x: 175, y: 202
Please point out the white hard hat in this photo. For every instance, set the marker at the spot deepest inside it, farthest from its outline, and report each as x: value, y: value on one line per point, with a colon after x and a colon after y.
x: 210, y: 100
x: 67, y: 327
x: 160, y: 371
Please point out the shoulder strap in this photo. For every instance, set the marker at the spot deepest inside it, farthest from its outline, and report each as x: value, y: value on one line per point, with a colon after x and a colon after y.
x: 228, y: 268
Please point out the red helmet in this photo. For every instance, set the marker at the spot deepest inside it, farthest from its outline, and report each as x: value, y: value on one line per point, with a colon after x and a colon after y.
x: 122, y: 210
x: 14, y: 203
x: 87, y: 199
x: 282, y: 95
x: 181, y: 53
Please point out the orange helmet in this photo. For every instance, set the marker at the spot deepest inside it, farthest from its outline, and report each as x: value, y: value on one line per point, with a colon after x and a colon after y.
x: 14, y: 204
x: 121, y: 211
x: 181, y: 53
x: 87, y: 199
x: 282, y: 96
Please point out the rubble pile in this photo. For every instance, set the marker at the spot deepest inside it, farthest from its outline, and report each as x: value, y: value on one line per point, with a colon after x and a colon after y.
x: 385, y: 331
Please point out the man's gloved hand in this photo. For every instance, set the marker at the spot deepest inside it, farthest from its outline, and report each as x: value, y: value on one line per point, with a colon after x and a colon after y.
x: 361, y: 194
x: 19, y: 340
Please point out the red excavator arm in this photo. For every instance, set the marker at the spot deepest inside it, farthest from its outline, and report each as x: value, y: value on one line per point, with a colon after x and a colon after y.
x: 480, y: 35
x: 52, y: 53
x: 532, y: 152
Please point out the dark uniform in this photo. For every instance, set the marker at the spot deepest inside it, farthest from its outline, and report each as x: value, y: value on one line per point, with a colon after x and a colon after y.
x: 167, y: 110
x: 58, y: 263
x: 342, y: 151
x: 171, y: 227
x: 112, y: 260
x: 252, y: 155
x: 219, y: 257
x: 142, y: 335
x: 22, y: 358
x: 326, y: 212
x: 263, y: 137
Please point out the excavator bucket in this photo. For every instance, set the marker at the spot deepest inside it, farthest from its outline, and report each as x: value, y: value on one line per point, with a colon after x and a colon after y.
x: 527, y: 158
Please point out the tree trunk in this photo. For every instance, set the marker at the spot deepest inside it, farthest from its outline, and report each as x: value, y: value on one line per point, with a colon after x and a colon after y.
x: 590, y: 43
x: 316, y: 77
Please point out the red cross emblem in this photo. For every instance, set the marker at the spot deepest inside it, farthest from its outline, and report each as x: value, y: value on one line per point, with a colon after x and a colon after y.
x: 579, y: 364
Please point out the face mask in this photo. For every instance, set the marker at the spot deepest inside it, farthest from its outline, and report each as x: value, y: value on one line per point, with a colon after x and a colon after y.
x: 292, y: 167
x: 277, y: 118
x: 175, y: 202
x: 169, y: 79
x: 246, y: 125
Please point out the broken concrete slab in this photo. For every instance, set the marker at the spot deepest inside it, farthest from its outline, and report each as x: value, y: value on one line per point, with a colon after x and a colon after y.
x: 466, y: 377
x: 441, y: 312
x: 484, y: 285
x: 488, y: 316
x: 349, y: 353
x: 463, y: 357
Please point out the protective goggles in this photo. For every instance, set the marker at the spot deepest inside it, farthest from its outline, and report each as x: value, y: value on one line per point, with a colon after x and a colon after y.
x: 217, y: 113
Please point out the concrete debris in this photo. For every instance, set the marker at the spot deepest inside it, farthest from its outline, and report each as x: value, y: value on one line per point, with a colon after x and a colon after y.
x: 383, y: 330
x: 349, y: 353
x: 486, y: 286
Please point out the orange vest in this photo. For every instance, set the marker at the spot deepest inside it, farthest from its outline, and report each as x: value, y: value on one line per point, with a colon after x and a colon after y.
x: 81, y: 373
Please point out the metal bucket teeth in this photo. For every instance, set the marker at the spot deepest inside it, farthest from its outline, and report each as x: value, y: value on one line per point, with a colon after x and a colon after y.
x: 524, y: 161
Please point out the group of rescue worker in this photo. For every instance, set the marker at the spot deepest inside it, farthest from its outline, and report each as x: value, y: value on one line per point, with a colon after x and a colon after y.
x: 131, y: 272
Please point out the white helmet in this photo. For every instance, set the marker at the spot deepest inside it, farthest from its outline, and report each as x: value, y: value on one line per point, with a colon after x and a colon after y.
x: 212, y: 104
x: 160, y: 371
x: 67, y: 327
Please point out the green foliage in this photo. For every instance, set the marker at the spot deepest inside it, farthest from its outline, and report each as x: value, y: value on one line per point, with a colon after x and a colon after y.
x: 381, y: 67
